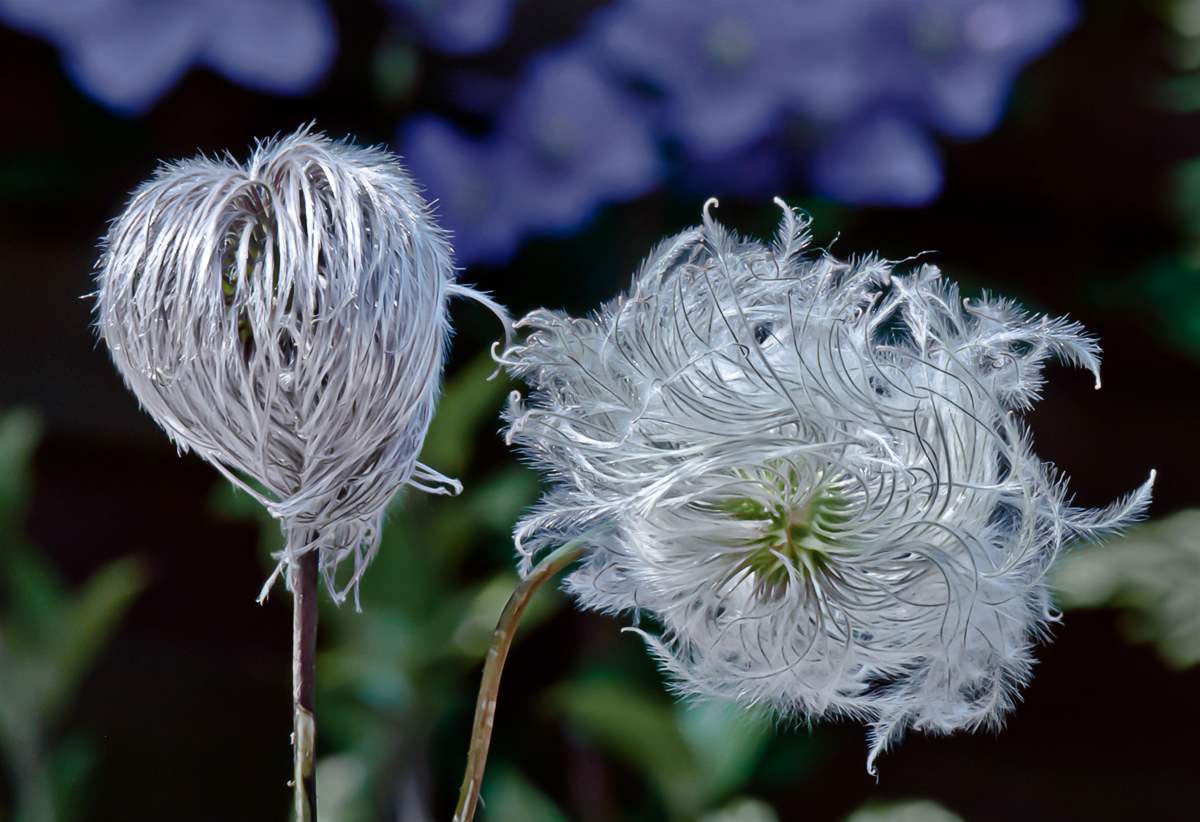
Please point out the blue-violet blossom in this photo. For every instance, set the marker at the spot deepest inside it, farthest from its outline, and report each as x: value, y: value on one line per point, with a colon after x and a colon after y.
x: 287, y: 320
x: 128, y: 53
x: 569, y: 143
x: 865, y: 76
x: 460, y: 26
x: 811, y: 474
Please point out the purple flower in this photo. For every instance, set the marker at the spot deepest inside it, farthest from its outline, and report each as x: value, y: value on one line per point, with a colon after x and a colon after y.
x: 753, y: 173
x: 719, y: 65
x: 467, y: 186
x: 883, y: 160
x: 945, y: 64
x: 569, y: 143
x: 127, y: 53
x: 461, y: 26
x: 951, y: 63
x: 577, y: 141
x: 875, y: 73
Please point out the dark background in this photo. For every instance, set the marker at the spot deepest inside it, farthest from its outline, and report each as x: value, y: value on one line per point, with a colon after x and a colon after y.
x: 1063, y: 207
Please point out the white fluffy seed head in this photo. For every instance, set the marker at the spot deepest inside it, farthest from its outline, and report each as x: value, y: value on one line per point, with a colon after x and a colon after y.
x: 810, y: 473
x: 286, y: 320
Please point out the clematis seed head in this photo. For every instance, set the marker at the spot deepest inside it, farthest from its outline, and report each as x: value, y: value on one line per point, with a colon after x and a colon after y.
x: 810, y: 474
x: 286, y: 319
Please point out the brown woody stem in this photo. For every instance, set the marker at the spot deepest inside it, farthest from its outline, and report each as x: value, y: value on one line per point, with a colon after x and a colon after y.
x: 305, y: 584
x: 485, y: 707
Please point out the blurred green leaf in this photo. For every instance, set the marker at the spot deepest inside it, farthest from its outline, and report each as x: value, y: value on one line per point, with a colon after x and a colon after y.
x: 1173, y: 286
x: 1183, y: 16
x: 343, y: 779
x: 48, y: 642
x: 49, y: 638
x: 906, y: 810
x: 69, y: 763
x: 20, y: 430
x: 1187, y: 184
x: 470, y: 400
x: 695, y: 754
x: 499, y: 499
x: 1182, y: 93
x: 510, y: 797
x: 35, y: 595
x: 726, y: 739
x: 742, y: 809
x: 1152, y: 573
x: 474, y: 633
x: 637, y: 727
x: 86, y: 622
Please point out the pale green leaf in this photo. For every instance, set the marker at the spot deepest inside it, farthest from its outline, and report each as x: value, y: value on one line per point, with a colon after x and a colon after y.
x: 638, y: 728
x: 742, y: 809
x: 1152, y: 573
x: 510, y: 797
x: 726, y: 740
x: 20, y: 430
x: 907, y: 810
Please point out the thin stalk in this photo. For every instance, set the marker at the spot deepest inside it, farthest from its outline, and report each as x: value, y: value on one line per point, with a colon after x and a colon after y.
x: 304, y: 680
x: 485, y: 707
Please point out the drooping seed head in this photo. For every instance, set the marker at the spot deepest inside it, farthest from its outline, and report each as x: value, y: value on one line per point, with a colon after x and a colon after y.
x: 286, y: 319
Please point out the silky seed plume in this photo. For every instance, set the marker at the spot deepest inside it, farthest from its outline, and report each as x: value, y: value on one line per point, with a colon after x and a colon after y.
x: 286, y: 319
x: 810, y: 473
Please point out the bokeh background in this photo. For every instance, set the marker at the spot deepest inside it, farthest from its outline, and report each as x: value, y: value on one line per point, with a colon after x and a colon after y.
x: 1045, y: 150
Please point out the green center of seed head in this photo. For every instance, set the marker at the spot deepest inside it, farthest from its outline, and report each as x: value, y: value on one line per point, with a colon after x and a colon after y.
x: 255, y: 228
x: 794, y: 540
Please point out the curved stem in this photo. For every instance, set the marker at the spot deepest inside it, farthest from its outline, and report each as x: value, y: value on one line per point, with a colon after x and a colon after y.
x: 485, y: 707
x: 305, y: 583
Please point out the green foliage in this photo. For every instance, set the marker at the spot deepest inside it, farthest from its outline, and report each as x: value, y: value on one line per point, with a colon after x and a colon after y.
x: 49, y: 639
x: 1152, y: 574
x: 19, y: 434
x: 907, y: 810
x: 510, y: 797
x: 742, y: 809
x: 343, y: 796
x: 695, y: 755
x: 1172, y: 285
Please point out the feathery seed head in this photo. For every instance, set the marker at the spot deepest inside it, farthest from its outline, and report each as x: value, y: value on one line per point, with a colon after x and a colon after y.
x: 810, y: 473
x: 286, y: 320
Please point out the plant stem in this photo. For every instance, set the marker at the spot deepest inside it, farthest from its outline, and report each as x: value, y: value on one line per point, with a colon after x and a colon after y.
x: 304, y: 692
x: 485, y: 706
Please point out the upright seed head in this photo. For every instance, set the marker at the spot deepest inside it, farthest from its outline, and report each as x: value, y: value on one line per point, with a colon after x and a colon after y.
x: 810, y: 473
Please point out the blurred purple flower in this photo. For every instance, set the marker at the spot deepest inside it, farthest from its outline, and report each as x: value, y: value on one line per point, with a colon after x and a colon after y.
x: 577, y: 141
x: 467, y: 187
x: 461, y: 26
x: 951, y: 63
x: 866, y: 81
x: 718, y: 64
x: 883, y: 160
x: 127, y: 53
x: 569, y: 143
x: 762, y: 170
x: 876, y: 73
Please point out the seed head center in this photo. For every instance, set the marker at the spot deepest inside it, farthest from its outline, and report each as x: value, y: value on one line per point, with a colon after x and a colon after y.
x: 791, y: 541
